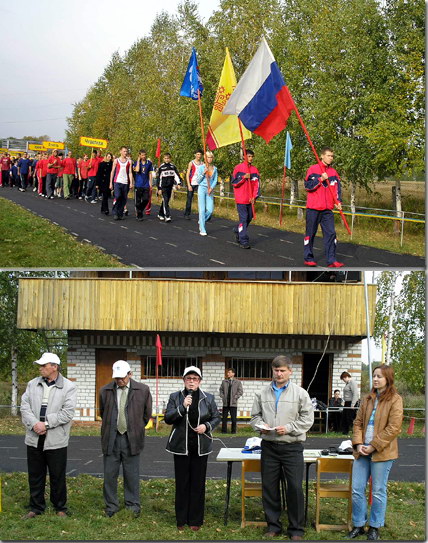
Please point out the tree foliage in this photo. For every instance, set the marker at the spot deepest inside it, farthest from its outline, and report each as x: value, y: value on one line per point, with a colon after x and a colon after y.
x: 354, y: 67
x: 408, y: 344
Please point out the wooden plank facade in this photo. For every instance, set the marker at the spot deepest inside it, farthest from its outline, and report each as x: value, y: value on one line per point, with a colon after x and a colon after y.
x: 177, y: 305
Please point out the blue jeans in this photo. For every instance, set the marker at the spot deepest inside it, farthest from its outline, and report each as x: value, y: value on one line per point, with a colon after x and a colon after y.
x: 205, y: 205
x: 91, y: 190
x: 121, y: 194
x: 361, y: 471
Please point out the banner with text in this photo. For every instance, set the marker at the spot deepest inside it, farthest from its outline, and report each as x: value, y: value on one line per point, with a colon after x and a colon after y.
x: 93, y: 142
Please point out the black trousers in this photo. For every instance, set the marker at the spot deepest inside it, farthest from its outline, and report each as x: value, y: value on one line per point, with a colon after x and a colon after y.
x: 232, y: 411
x: 347, y: 418
x: 106, y: 194
x: 190, y: 475
x: 38, y: 462
x: 190, y: 194
x: 142, y: 197
x: 164, y: 207
x: 288, y: 457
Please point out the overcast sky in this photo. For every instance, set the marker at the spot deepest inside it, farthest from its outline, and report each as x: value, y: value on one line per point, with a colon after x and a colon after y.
x: 51, y: 52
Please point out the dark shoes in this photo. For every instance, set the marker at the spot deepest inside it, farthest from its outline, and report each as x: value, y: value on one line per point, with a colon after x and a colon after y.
x: 373, y: 534
x: 110, y: 513
x: 195, y: 528
x: 355, y: 532
x: 181, y: 528
x: 272, y: 534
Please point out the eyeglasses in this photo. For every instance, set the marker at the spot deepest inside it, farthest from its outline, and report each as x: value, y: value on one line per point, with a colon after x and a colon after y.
x: 191, y: 378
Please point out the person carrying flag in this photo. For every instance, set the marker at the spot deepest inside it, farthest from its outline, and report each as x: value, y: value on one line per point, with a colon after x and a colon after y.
x: 319, y: 206
x: 246, y: 188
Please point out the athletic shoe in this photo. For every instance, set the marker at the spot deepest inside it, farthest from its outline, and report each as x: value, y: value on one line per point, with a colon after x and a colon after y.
x: 93, y: 201
x: 310, y: 263
x: 336, y: 265
x: 126, y: 212
x: 51, y: 197
x: 244, y: 246
x: 35, y: 188
x: 80, y: 198
x: 167, y: 219
x: 161, y: 218
x: 203, y: 233
x: 21, y: 189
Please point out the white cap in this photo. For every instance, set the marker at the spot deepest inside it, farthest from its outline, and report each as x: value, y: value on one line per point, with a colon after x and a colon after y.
x: 47, y: 358
x: 121, y: 368
x: 192, y: 369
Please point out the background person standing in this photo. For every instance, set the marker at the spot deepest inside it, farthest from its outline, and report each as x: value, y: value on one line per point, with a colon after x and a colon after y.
x: 47, y: 409
x: 350, y: 397
x: 230, y: 391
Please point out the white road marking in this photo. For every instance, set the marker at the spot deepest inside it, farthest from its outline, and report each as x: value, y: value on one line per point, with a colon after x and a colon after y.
x: 191, y: 252
x: 218, y: 261
x: 71, y: 471
x: 343, y: 254
x: 87, y: 240
x: 100, y: 219
x: 74, y: 234
x: 286, y: 241
x: 8, y: 447
x: 263, y: 235
x: 286, y: 257
x: 137, y: 232
x: 172, y: 244
x: 258, y: 250
x: 88, y: 462
x: 381, y: 263
x: 224, y: 226
x: 17, y: 458
x: 99, y: 247
x: 411, y: 465
x: 151, y: 237
x: 178, y: 227
x: 53, y: 222
x: 125, y: 227
x: 212, y: 237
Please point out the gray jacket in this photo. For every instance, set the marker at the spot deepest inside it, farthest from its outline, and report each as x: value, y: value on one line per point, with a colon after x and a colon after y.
x: 350, y: 392
x: 294, y: 411
x: 235, y: 394
x: 59, y: 413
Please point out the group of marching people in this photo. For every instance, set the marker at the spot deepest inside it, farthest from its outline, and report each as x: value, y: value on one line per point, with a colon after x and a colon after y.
x: 97, y: 178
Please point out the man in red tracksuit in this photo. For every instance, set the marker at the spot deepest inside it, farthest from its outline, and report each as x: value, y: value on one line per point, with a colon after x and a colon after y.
x: 319, y: 208
x: 246, y: 188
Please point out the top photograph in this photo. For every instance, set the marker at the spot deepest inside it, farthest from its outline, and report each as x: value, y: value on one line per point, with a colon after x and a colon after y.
x: 213, y: 135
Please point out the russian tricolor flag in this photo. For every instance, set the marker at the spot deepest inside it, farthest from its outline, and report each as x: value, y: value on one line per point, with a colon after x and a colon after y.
x: 261, y: 99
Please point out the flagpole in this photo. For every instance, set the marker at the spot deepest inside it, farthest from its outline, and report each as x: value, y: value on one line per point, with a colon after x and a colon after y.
x: 323, y: 168
x: 248, y: 166
x: 203, y: 136
x: 282, y: 195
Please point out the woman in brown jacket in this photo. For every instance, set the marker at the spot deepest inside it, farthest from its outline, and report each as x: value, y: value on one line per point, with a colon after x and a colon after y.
x: 376, y: 427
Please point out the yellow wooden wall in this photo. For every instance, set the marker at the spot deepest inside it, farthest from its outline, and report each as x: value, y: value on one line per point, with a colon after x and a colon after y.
x: 194, y: 306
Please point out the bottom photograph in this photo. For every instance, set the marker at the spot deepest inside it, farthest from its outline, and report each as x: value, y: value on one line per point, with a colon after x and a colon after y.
x: 212, y: 405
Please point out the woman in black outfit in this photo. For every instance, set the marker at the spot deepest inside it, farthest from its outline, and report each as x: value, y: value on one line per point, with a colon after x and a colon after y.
x: 103, y: 181
x: 193, y: 414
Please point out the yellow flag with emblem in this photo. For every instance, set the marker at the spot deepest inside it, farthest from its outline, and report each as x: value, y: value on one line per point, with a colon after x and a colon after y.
x: 224, y: 129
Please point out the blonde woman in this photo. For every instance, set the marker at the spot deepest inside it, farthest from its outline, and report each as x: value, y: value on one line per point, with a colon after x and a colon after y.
x: 206, y: 178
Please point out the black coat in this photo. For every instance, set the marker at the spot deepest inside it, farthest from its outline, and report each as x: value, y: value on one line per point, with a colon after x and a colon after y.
x: 138, y: 412
x: 103, y: 175
x: 176, y: 414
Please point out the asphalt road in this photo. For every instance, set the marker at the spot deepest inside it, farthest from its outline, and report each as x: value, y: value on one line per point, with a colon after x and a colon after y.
x: 85, y: 456
x: 154, y: 244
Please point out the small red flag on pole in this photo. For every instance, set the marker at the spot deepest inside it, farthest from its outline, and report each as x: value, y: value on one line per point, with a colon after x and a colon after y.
x: 158, y: 153
x: 158, y: 363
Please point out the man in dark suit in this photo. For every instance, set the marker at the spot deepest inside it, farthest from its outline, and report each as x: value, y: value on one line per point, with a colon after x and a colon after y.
x: 125, y: 408
x: 230, y: 392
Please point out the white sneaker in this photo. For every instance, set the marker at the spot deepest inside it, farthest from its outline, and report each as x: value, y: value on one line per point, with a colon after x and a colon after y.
x: 167, y: 219
x: 161, y: 218
x: 203, y: 233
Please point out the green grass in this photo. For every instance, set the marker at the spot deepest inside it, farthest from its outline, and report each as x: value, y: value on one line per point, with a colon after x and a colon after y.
x: 405, y: 518
x: 28, y: 241
x: 372, y: 232
x: 12, y: 426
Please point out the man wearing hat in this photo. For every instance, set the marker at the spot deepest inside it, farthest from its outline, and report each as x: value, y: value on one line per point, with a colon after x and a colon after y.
x: 125, y: 409
x: 47, y: 409
x: 193, y: 414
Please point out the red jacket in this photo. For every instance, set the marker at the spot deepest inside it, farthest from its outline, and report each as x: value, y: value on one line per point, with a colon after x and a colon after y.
x: 245, y: 189
x: 319, y: 195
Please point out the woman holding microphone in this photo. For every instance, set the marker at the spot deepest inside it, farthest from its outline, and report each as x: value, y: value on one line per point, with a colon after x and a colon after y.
x: 194, y: 415
x: 376, y: 427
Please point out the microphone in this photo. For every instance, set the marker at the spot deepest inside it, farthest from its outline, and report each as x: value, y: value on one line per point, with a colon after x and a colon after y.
x: 189, y: 394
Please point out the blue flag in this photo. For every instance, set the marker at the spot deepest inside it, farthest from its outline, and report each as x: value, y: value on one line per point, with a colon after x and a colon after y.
x: 288, y: 147
x: 192, y: 80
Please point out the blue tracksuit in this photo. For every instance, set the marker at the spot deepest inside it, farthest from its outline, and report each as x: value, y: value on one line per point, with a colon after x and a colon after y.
x: 205, y: 200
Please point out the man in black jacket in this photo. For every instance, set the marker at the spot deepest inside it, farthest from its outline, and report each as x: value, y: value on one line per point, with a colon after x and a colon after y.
x: 126, y: 408
x: 167, y: 177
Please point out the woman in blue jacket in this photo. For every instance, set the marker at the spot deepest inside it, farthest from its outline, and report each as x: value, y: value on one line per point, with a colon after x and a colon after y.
x: 206, y: 178
x: 194, y: 415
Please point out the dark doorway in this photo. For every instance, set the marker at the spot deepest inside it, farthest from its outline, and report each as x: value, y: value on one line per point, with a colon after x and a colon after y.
x: 319, y: 388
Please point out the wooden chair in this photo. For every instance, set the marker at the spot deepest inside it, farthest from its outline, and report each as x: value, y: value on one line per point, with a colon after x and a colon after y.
x: 250, y: 489
x: 333, y: 490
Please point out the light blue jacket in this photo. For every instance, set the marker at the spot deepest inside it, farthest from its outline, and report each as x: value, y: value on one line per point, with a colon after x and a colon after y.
x: 202, y: 180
